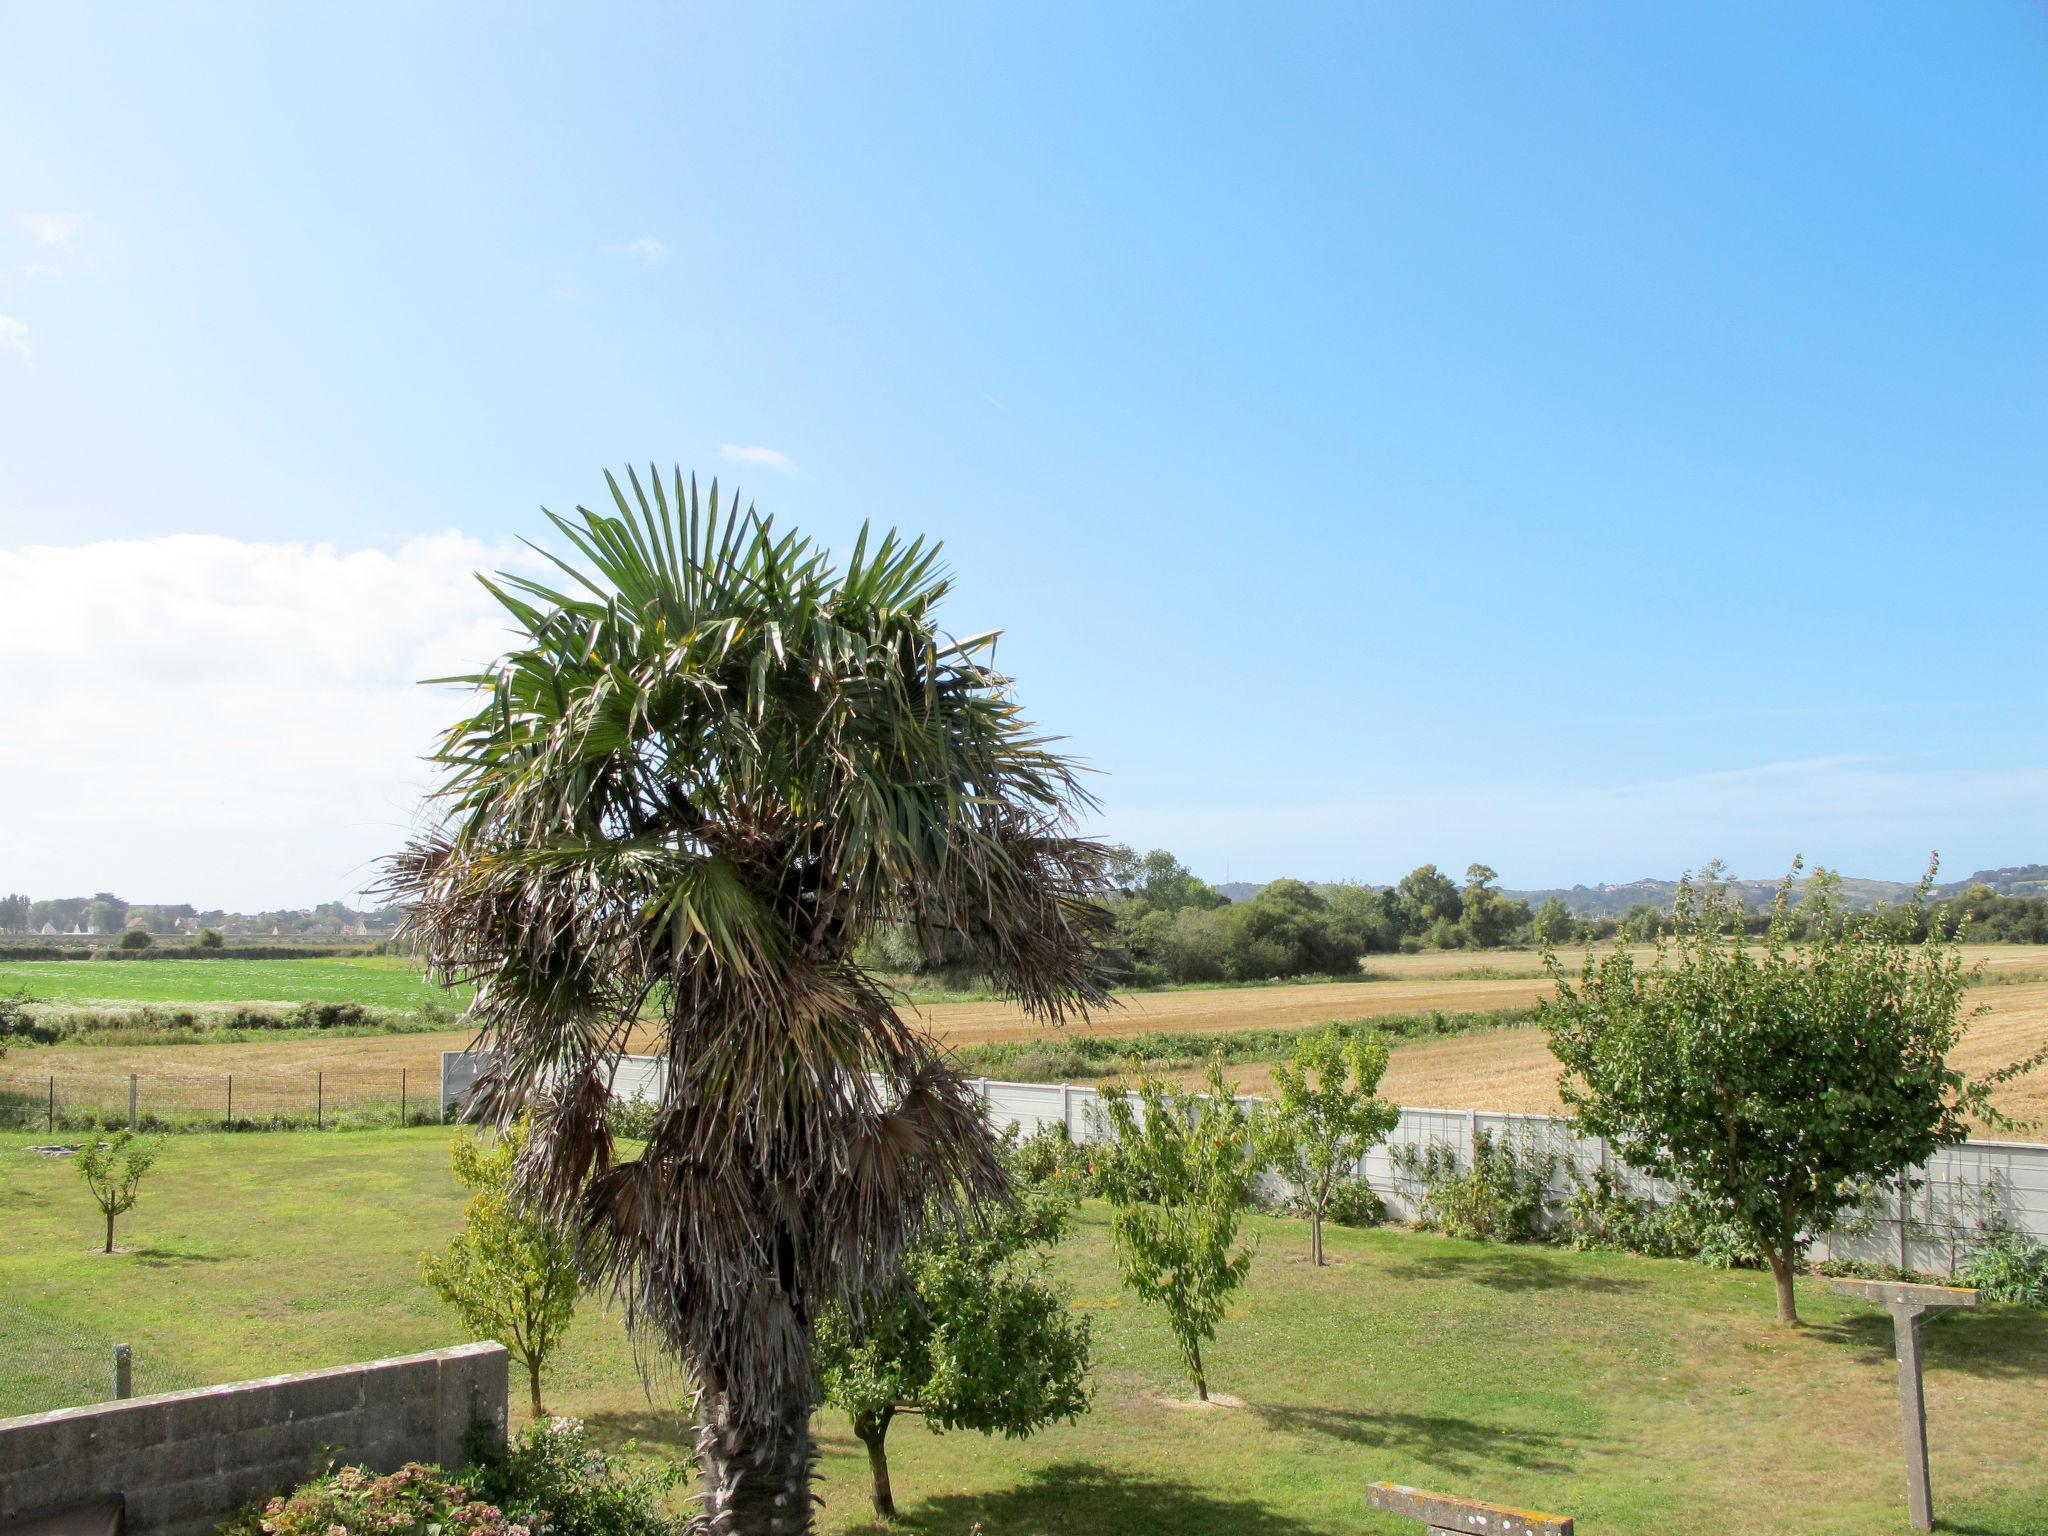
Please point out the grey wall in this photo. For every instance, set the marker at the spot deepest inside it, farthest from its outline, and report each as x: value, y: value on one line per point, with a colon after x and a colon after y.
x: 1927, y: 1227
x: 187, y: 1460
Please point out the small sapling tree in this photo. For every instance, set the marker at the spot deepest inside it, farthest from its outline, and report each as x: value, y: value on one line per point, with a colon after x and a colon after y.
x: 1325, y: 1113
x: 509, y: 1274
x: 114, y: 1169
x: 1179, y: 1175
x: 973, y: 1337
x: 1771, y: 1077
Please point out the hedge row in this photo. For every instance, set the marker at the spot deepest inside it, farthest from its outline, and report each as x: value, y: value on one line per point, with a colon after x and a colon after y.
x: 188, y: 952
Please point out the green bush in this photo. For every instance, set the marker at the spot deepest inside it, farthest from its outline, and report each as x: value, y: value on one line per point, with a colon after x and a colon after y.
x: 1051, y: 1156
x: 1502, y: 1197
x: 551, y: 1482
x: 1353, y: 1204
x: 555, y: 1483
x: 136, y: 938
x: 209, y: 938
x: 1599, y: 1215
x: 630, y: 1119
x: 416, y: 1500
x: 2008, y: 1265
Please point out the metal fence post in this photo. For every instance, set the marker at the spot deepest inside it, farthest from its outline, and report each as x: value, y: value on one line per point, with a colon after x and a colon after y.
x: 319, y: 1101
x: 53, y: 1104
x: 401, y: 1098
x: 124, y: 1372
x: 231, y: 1101
x: 131, y: 1101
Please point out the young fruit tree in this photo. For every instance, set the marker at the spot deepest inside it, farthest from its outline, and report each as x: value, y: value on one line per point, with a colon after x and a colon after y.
x: 1325, y: 1114
x: 114, y: 1169
x: 715, y: 759
x: 1179, y: 1176
x: 509, y: 1274
x: 1771, y: 1077
x: 974, y: 1336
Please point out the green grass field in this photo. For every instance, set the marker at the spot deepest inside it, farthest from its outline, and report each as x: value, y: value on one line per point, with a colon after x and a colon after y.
x: 378, y: 981
x: 1638, y: 1395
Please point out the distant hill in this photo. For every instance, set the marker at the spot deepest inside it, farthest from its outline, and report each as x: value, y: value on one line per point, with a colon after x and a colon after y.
x: 1615, y: 900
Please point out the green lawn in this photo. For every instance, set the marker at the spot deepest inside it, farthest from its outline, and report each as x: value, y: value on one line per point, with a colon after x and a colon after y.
x: 1638, y: 1395
x: 379, y: 981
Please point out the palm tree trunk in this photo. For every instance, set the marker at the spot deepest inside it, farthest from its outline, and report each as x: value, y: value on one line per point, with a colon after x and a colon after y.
x: 757, y: 1477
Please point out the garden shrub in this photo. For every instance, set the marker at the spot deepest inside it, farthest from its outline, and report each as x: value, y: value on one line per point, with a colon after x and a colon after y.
x: 1503, y: 1196
x: 631, y: 1119
x: 1353, y: 1204
x: 550, y: 1482
x: 416, y: 1500
x: 136, y: 938
x: 2008, y: 1265
x: 554, y: 1482
x: 1599, y: 1214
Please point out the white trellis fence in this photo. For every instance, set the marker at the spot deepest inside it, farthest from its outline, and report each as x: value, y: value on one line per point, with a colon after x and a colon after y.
x: 1927, y: 1227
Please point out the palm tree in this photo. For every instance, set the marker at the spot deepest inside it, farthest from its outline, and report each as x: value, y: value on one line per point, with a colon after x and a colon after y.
x: 713, y: 761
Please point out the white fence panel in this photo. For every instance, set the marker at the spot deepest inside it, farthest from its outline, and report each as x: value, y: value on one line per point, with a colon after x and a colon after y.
x: 1959, y: 1191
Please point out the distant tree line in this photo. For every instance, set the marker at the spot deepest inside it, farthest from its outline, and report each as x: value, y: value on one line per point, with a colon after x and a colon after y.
x: 1170, y: 926
x: 105, y: 913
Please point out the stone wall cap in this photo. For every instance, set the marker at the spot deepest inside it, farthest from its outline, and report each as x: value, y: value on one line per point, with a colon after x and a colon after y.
x: 1893, y: 1293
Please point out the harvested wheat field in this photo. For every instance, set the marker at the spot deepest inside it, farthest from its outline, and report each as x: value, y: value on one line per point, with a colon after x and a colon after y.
x: 1491, y: 1069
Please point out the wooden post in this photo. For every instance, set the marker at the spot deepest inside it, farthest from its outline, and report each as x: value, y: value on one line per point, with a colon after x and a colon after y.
x: 231, y: 1101
x: 1452, y: 1516
x: 1907, y: 1304
x: 319, y: 1101
x: 53, y: 1103
x: 124, y: 1372
x: 131, y: 1101
x: 401, y: 1098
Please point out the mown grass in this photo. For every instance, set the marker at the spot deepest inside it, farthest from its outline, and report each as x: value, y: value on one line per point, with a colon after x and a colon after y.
x: 380, y: 981
x: 1638, y: 1395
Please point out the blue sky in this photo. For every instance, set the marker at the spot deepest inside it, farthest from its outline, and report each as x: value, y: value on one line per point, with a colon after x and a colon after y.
x: 1591, y: 440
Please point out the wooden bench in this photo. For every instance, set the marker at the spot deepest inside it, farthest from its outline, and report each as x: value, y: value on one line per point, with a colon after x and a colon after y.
x: 1441, y: 1512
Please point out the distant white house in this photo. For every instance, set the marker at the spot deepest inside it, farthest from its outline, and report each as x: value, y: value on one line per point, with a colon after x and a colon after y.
x: 48, y: 928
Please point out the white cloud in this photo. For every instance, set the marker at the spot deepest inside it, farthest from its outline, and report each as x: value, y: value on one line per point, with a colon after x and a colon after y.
x: 14, y: 337
x: 53, y: 231
x: 193, y: 718
x: 647, y: 250
x: 768, y: 458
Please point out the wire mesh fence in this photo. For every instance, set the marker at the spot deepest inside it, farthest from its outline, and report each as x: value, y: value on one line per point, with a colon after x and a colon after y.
x: 47, y: 1363
x: 86, y: 1097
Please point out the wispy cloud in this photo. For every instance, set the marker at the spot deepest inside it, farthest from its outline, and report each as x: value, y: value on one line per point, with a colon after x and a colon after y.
x: 53, y: 231
x: 14, y: 337
x: 276, y: 684
x: 767, y: 458
x: 646, y: 250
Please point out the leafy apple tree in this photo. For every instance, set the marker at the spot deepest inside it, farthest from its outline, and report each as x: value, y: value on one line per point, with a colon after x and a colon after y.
x: 1179, y: 1176
x: 974, y: 1336
x: 1770, y: 1077
x: 1325, y: 1115
x: 510, y: 1274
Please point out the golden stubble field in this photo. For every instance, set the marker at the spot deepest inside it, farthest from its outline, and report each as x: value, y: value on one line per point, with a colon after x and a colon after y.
x: 1496, y: 1069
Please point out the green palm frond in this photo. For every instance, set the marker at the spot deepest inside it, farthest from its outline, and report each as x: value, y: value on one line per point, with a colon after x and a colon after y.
x: 715, y: 759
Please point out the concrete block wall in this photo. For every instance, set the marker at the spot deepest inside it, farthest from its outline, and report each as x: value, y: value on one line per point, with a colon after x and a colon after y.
x: 185, y: 1461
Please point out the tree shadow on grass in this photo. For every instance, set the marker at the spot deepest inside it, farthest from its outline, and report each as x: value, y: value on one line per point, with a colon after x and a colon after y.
x: 2001, y: 1343
x: 1085, y: 1498
x: 164, y: 1258
x: 1442, y: 1440
x: 668, y: 1432
x: 1505, y: 1269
